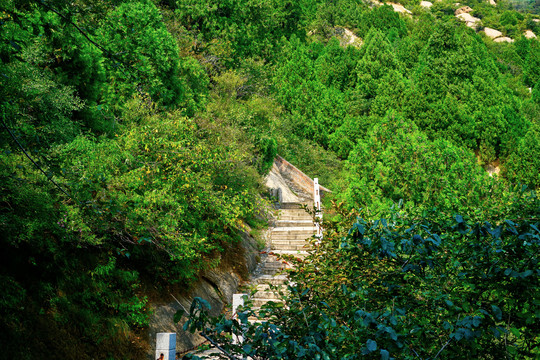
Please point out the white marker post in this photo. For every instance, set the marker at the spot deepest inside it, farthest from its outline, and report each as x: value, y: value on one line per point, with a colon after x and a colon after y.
x: 318, y: 212
x: 166, y: 345
x: 238, y: 300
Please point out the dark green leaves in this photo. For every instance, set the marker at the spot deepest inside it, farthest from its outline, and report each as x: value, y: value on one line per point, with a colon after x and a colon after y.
x: 371, y: 345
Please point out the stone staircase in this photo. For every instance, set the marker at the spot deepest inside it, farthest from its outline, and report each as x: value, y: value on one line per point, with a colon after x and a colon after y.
x: 288, y: 237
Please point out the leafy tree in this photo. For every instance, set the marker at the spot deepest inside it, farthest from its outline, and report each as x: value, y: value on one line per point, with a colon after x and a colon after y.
x: 382, y: 18
x: 147, y: 62
x: 396, y: 161
x: 399, y: 287
x: 532, y: 64
x: 522, y: 164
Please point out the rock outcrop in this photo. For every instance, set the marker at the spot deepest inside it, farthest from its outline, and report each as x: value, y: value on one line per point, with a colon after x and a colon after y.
x: 426, y: 4
x: 492, y: 33
x: 216, y: 285
x: 399, y: 8
x: 469, y: 20
x: 347, y: 37
x: 504, y: 39
x: 529, y: 34
x: 463, y: 10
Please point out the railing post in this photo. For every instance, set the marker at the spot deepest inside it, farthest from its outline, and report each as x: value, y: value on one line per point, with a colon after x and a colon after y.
x: 166, y: 345
x: 318, y: 211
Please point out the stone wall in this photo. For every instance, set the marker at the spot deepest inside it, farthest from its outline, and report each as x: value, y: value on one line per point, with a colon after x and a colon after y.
x: 296, y: 176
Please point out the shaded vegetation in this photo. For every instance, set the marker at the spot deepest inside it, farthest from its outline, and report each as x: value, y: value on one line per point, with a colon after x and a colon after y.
x: 136, y: 134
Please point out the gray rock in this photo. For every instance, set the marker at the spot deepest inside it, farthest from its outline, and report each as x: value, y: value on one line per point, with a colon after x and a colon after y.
x: 216, y: 286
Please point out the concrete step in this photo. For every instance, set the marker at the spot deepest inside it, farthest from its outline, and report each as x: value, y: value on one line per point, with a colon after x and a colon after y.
x: 258, y: 302
x: 299, y: 213
x: 286, y: 236
x: 299, y: 254
x: 289, y: 247
x: 294, y: 223
x: 276, y: 265
x: 293, y: 205
x: 271, y: 279
x: 294, y: 229
x: 295, y: 218
x: 278, y: 242
x: 266, y: 294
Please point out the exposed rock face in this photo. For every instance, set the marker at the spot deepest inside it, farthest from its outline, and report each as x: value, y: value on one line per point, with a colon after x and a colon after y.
x: 347, y: 37
x: 469, y: 20
x: 492, y: 2
x: 504, y: 39
x: 399, y: 8
x: 216, y: 286
x: 492, y: 33
x: 274, y: 180
x: 463, y: 10
x: 529, y: 34
x: 426, y: 4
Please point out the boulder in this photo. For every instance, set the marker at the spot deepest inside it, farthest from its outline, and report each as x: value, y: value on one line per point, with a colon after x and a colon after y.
x: 529, y: 34
x: 492, y: 33
x: 426, y: 4
x: 347, y: 37
x: 504, y: 39
x: 492, y: 2
x: 469, y: 20
x: 463, y: 10
x: 399, y: 8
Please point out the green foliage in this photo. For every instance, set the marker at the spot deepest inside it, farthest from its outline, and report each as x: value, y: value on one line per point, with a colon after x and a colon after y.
x: 455, y: 94
x: 383, y: 18
x: 396, y: 161
x: 524, y: 161
x: 147, y: 60
x: 97, y: 94
x: 309, y: 85
x: 157, y: 188
x: 252, y: 28
x: 532, y: 64
x: 400, y: 287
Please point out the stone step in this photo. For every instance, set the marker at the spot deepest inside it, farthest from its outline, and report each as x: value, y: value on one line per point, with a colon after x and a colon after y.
x: 210, y: 354
x: 295, y: 218
x: 299, y: 254
x: 294, y: 229
x: 273, y: 269
x: 277, y: 242
x: 276, y: 265
x: 298, y: 213
x: 294, y: 223
x: 271, y: 279
x: 269, y: 271
x: 258, y: 302
x: 289, y: 247
x: 295, y: 210
x: 294, y: 205
x: 269, y: 287
x: 266, y: 294
x: 286, y: 236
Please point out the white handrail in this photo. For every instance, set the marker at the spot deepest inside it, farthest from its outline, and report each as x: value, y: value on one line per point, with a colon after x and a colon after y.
x: 318, y: 211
